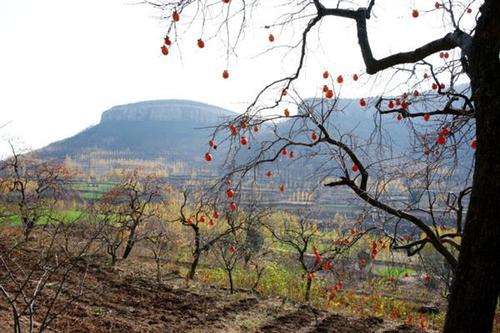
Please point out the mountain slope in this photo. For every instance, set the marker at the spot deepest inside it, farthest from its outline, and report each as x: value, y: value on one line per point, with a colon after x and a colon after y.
x: 174, y: 129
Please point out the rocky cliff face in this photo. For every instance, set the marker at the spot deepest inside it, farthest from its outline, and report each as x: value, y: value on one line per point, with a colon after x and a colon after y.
x: 166, y: 110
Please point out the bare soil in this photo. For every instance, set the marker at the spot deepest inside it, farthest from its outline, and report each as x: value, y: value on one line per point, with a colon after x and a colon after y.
x: 129, y: 300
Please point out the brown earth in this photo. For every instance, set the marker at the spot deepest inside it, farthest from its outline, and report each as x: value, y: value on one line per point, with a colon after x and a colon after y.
x: 128, y: 300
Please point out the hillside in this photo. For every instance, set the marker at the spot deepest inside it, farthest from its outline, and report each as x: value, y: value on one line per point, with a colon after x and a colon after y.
x: 128, y: 299
x: 171, y: 129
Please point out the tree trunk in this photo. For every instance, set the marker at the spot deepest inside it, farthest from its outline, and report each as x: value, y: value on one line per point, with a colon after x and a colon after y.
x: 194, y: 264
x: 308, y: 289
x: 475, y: 289
x: 130, y: 242
x: 197, y: 252
x: 158, y: 269
x: 231, y: 285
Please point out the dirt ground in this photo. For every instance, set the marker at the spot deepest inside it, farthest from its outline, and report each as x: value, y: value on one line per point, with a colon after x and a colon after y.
x: 123, y: 300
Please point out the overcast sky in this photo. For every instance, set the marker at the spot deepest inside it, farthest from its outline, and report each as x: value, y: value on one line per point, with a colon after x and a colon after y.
x: 64, y: 62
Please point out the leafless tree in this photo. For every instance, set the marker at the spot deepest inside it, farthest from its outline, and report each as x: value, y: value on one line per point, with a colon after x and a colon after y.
x: 134, y: 201
x: 30, y: 188
x: 160, y: 241
x: 35, y: 276
x: 303, y: 237
x: 458, y: 113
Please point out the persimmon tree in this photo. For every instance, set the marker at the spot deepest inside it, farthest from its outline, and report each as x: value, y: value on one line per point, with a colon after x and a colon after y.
x: 135, y: 201
x: 449, y: 84
x: 30, y: 189
x: 315, y: 253
x: 207, y: 224
x: 228, y: 253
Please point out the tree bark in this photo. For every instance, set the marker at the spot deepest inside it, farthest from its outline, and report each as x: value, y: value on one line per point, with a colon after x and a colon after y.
x: 130, y: 242
x: 308, y: 289
x: 231, y: 285
x: 475, y: 289
x: 194, y: 264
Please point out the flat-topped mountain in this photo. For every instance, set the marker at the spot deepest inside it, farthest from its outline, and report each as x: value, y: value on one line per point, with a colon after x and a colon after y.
x: 166, y: 110
x: 171, y: 129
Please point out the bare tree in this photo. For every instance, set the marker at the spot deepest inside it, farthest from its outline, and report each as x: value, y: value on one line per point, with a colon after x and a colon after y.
x: 202, y: 214
x: 228, y: 254
x: 160, y: 241
x: 30, y: 188
x: 458, y: 113
x: 303, y: 237
x: 134, y: 200
x: 34, y: 284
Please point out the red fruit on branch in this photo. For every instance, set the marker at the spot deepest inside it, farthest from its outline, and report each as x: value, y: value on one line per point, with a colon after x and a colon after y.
x: 226, y: 1
x: 327, y: 265
x: 473, y: 144
x: 404, y: 105
x: 287, y: 113
x: 233, y: 206
x: 310, y: 276
x: 441, y: 140
x: 340, y: 79
x: 211, y: 143
x: 243, y: 140
x: 233, y: 129
x: 314, y: 136
x: 232, y: 249
x: 225, y: 74
x: 398, y: 102
x: 175, y: 16
x: 469, y: 10
x: 216, y: 215
x: 208, y: 157
x: 444, y: 131
x: 326, y: 75
x: 164, y: 50
x: 434, y: 86
x: 416, y: 93
x: 399, y: 117
x: 167, y: 41
x: 202, y: 219
x: 427, y: 116
x: 284, y: 151
x: 414, y: 13
x: 269, y: 174
x: 325, y: 88
x: 390, y: 105
x: 189, y: 222
x: 329, y: 94
x: 355, y: 77
x: 282, y: 188
x: 437, y: 5
x: 230, y: 193
x: 362, y: 102
x: 201, y: 43
x: 271, y: 38
x: 355, y: 167
x: 256, y: 128
x: 284, y: 92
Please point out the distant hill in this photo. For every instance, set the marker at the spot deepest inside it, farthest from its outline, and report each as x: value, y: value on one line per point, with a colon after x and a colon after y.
x: 172, y: 129
x: 177, y: 132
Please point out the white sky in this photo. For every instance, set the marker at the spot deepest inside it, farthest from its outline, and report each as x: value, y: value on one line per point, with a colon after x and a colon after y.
x: 64, y: 62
